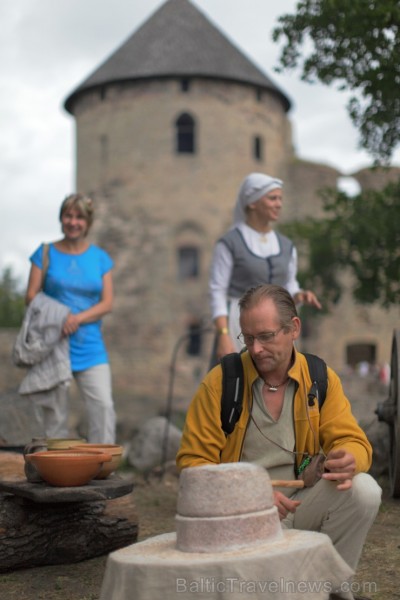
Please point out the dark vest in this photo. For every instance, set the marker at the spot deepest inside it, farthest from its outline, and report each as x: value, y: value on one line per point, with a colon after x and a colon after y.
x: 250, y: 270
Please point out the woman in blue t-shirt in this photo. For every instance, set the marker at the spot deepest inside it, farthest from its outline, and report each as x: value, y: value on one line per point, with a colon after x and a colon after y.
x: 79, y: 276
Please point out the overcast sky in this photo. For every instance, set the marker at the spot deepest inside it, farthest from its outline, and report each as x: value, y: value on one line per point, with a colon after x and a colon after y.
x: 48, y: 47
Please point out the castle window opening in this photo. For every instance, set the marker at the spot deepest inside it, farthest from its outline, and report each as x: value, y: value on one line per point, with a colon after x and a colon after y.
x: 104, y: 150
x: 360, y: 353
x: 185, y: 85
x: 258, y: 147
x: 185, y: 134
x: 188, y: 263
x: 195, y: 338
x: 259, y: 94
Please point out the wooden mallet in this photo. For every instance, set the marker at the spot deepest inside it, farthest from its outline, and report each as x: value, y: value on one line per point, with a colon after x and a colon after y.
x: 295, y: 483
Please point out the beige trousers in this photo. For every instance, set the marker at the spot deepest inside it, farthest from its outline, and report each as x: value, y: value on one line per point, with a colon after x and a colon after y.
x: 345, y: 516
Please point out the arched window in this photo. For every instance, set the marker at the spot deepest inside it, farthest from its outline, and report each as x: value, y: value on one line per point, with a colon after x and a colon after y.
x: 188, y: 262
x: 185, y: 84
x: 185, y: 134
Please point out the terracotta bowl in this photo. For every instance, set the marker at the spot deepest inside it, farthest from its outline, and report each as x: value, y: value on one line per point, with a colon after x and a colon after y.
x: 114, y: 449
x: 68, y: 468
x: 63, y: 443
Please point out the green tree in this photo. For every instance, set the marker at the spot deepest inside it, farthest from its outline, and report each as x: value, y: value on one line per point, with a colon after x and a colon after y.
x: 12, y: 304
x: 355, y: 44
x: 360, y: 234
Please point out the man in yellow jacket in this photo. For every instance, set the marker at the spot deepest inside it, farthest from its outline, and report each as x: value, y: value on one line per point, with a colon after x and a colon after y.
x: 279, y: 430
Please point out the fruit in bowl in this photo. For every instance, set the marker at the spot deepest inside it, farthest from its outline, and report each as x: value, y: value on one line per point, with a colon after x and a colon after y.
x: 69, y: 468
x: 114, y: 449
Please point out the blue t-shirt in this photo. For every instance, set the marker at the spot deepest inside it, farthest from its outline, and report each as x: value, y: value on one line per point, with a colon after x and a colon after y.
x: 76, y: 280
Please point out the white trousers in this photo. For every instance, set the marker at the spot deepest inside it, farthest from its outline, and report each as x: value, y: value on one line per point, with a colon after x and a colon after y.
x: 95, y: 388
x: 345, y: 516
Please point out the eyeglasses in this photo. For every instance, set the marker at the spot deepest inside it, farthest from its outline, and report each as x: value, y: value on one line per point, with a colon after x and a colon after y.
x: 263, y: 338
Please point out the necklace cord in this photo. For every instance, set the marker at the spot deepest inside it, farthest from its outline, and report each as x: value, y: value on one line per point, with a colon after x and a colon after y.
x: 274, y: 388
x: 293, y: 452
x: 306, y: 455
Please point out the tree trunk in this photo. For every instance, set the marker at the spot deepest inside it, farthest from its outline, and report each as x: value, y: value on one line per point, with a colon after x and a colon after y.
x: 34, y: 534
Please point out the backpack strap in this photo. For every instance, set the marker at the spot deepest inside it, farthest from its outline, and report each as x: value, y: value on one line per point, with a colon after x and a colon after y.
x: 232, y: 391
x: 319, y: 378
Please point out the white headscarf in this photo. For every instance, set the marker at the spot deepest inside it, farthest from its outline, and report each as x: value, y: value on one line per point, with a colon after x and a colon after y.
x: 253, y: 187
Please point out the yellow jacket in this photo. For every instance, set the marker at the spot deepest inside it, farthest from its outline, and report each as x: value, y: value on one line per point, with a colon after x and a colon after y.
x: 204, y: 442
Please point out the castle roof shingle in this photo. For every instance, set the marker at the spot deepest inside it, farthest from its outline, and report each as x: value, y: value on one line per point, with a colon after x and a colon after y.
x: 177, y: 41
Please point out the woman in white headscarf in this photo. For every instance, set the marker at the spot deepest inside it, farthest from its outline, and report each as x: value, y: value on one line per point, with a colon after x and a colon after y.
x: 250, y: 253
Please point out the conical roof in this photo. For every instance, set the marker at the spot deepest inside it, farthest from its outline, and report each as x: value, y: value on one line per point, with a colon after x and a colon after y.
x: 177, y: 41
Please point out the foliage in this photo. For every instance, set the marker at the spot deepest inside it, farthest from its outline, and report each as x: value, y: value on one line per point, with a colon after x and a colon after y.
x: 360, y: 234
x: 357, y: 45
x: 12, y: 304
x: 315, y: 240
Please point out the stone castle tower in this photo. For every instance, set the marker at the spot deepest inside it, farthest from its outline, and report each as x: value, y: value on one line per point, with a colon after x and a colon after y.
x: 166, y: 129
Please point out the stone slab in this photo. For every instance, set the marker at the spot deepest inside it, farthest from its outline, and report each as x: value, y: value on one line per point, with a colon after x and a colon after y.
x: 97, y: 489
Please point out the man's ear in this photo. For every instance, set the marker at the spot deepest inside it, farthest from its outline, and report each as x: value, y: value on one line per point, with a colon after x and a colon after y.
x: 296, y: 327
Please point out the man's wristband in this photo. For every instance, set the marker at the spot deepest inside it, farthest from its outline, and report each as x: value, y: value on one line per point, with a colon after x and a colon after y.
x: 223, y: 331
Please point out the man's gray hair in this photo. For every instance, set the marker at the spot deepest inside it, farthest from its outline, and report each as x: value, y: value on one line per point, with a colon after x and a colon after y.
x: 280, y: 297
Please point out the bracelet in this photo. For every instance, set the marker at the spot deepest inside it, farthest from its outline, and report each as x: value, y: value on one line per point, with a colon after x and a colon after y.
x: 223, y: 331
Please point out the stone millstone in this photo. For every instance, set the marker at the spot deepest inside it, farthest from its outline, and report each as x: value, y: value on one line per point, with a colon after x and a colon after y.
x: 219, y: 534
x: 211, y: 518
x: 222, y: 490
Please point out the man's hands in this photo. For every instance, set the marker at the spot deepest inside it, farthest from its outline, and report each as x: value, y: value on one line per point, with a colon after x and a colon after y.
x: 284, y: 504
x: 341, y: 467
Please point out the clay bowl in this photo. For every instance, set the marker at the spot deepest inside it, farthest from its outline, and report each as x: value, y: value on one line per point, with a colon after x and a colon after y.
x: 68, y: 468
x: 114, y: 449
x: 63, y: 443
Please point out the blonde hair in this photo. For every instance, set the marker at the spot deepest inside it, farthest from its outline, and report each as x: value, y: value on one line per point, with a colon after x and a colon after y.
x: 82, y: 203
